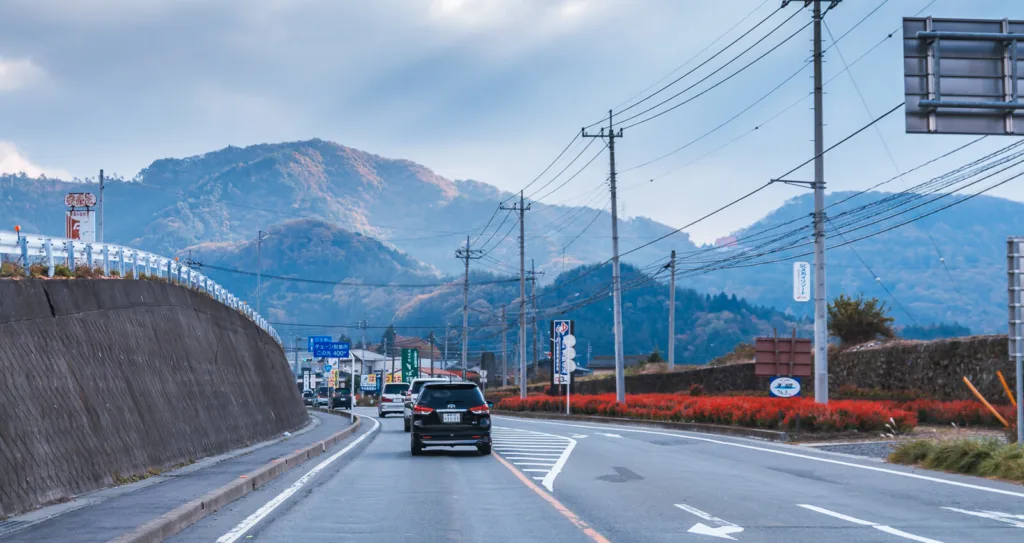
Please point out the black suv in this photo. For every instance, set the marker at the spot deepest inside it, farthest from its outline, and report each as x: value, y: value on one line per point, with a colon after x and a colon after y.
x: 341, y: 399
x: 451, y: 414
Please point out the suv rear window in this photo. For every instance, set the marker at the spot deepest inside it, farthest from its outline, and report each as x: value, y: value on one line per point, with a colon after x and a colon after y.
x: 441, y: 396
x: 396, y: 388
x: 419, y: 384
x: 341, y: 391
x: 322, y: 391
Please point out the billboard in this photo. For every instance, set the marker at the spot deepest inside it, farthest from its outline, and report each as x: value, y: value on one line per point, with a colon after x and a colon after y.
x: 335, y: 349
x: 80, y: 224
x: 962, y: 76
x: 410, y: 364
x: 801, y: 281
x: 563, y: 351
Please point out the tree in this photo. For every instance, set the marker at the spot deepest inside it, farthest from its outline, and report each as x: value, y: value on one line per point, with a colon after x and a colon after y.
x: 858, y: 320
x: 655, y: 356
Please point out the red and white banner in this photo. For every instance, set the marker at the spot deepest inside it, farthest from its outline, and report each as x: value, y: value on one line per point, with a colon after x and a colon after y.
x: 80, y: 225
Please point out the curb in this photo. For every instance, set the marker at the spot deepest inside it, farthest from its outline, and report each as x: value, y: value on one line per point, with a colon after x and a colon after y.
x: 183, y: 516
x: 735, y: 431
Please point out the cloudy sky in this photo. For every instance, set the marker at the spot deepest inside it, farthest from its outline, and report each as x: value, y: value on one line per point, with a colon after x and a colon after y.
x: 484, y: 89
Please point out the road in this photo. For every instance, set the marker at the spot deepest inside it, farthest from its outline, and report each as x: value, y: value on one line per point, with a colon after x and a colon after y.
x: 565, y: 481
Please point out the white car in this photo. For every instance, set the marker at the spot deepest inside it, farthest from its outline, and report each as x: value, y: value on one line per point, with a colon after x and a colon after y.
x: 412, y: 395
x: 392, y: 399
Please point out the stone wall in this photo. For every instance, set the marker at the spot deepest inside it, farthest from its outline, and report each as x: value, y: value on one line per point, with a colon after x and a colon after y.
x: 102, y: 380
x: 935, y: 368
x: 714, y: 379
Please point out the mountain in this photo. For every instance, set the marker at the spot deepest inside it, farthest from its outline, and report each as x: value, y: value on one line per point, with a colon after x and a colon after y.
x: 230, y: 194
x: 226, y: 196
x: 947, y: 267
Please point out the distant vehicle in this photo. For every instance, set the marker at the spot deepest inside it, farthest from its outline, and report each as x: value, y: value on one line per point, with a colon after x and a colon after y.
x: 392, y: 399
x: 341, y: 399
x: 308, y: 397
x: 323, y: 396
x: 449, y: 415
x: 411, y: 396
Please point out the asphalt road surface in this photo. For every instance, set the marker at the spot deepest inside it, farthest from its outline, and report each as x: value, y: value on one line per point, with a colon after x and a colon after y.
x: 558, y: 481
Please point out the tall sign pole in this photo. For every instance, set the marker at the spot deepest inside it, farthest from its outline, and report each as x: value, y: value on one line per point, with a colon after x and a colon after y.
x: 820, y: 300
x: 672, y: 314
x: 620, y: 377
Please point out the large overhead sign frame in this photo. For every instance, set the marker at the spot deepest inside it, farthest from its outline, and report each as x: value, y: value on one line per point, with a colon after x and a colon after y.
x: 962, y: 76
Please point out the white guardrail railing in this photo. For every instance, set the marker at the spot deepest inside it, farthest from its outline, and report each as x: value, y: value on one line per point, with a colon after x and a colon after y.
x: 32, y: 249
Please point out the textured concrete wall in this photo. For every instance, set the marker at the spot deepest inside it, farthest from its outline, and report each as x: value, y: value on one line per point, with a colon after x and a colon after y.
x: 936, y: 368
x: 713, y: 378
x: 106, y: 379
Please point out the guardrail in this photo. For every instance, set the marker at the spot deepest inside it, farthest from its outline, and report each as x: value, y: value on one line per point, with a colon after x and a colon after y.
x: 53, y: 251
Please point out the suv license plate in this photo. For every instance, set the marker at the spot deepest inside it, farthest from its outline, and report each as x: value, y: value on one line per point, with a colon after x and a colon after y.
x: 452, y: 417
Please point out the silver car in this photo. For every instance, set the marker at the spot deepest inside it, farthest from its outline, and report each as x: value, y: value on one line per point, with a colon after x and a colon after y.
x: 392, y: 399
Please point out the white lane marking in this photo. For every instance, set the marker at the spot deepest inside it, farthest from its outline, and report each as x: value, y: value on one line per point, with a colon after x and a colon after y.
x: 722, y: 529
x: 261, y: 513
x: 578, y: 436
x: 803, y: 456
x: 534, y: 470
x: 881, y: 527
x: 532, y: 445
x: 609, y: 435
x: 1012, y: 520
x: 534, y: 463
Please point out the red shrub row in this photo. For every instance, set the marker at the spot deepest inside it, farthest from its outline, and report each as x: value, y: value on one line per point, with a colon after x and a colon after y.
x: 757, y: 412
x: 961, y: 413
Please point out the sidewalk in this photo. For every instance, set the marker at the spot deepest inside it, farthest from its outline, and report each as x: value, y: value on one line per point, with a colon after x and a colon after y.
x: 106, y: 514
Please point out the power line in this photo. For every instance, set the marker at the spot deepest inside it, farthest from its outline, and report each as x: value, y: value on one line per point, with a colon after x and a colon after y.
x: 347, y: 283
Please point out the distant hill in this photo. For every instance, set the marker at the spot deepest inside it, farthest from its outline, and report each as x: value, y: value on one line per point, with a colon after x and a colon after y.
x: 970, y: 237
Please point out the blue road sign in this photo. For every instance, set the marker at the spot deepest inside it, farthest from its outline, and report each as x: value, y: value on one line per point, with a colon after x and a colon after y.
x: 327, y: 367
x: 335, y: 349
x: 313, y: 340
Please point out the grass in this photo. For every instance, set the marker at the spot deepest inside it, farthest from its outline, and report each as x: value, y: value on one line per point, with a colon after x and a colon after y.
x: 984, y: 458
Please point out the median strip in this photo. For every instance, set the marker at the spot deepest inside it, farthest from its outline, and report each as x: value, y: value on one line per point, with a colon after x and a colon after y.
x: 182, y: 517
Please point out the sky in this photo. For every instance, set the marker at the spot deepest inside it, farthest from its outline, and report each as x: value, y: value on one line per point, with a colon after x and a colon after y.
x: 490, y: 90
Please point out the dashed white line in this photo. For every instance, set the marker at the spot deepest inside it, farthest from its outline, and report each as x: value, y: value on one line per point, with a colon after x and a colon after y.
x: 261, y: 513
x: 881, y: 527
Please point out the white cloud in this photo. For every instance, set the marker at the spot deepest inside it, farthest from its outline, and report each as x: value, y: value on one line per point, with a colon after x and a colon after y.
x: 11, y: 161
x: 18, y: 74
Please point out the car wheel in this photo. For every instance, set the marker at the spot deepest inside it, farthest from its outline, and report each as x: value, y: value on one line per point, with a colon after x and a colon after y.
x: 408, y: 427
x: 484, y: 449
x: 415, y: 448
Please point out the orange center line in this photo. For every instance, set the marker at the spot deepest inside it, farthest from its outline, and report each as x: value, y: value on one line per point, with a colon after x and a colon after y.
x: 563, y: 510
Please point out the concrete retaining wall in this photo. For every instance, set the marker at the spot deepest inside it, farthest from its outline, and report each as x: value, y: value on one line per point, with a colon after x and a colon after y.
x: 935, y: 368
x: 102, y: 380
x: 714, y: 379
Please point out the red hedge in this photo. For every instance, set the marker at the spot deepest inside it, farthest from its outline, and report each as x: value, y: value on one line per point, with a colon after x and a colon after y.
x: 774, y: 413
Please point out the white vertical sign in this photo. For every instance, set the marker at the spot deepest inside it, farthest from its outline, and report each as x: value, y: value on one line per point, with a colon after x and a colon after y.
x: 802, y: 281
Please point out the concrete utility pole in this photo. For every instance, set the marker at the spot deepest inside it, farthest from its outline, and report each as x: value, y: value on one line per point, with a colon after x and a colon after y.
x: 466, y: 254
x: 430, y: 338
x: 102, y: 186
x: 447, y: 334
x: 533, y: 296
x: 820, y: 301
x: 672, y: 314
x: 259, y: 268
x: 522, y: 208
x: 620, y: 377
x: 504, y: 348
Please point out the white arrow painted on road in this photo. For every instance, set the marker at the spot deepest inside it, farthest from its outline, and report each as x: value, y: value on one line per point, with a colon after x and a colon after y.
x: 722, y: 531
x: 610, y: 435
x: 1012, y: 520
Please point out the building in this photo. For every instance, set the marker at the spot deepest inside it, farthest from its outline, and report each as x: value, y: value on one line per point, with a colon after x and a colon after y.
x: 603, y: 365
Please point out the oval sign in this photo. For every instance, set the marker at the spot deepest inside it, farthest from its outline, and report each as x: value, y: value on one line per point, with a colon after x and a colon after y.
x: 784, y: 387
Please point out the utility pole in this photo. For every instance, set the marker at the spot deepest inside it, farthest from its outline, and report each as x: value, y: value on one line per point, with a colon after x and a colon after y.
x: 820, y: 302
x: 430, y: 338
x: 672, y: 314
x: 533, y: 296
x: 466, y: 254
x: 504, y: 348
x: 522, y: 208
x: 620, y: 377
x: 259, y: 268
x: 447, y: 334
x: 102, y: 186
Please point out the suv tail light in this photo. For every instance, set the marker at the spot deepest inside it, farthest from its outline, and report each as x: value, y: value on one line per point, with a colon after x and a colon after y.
x: 480, y: 410
x: 420, y: 410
